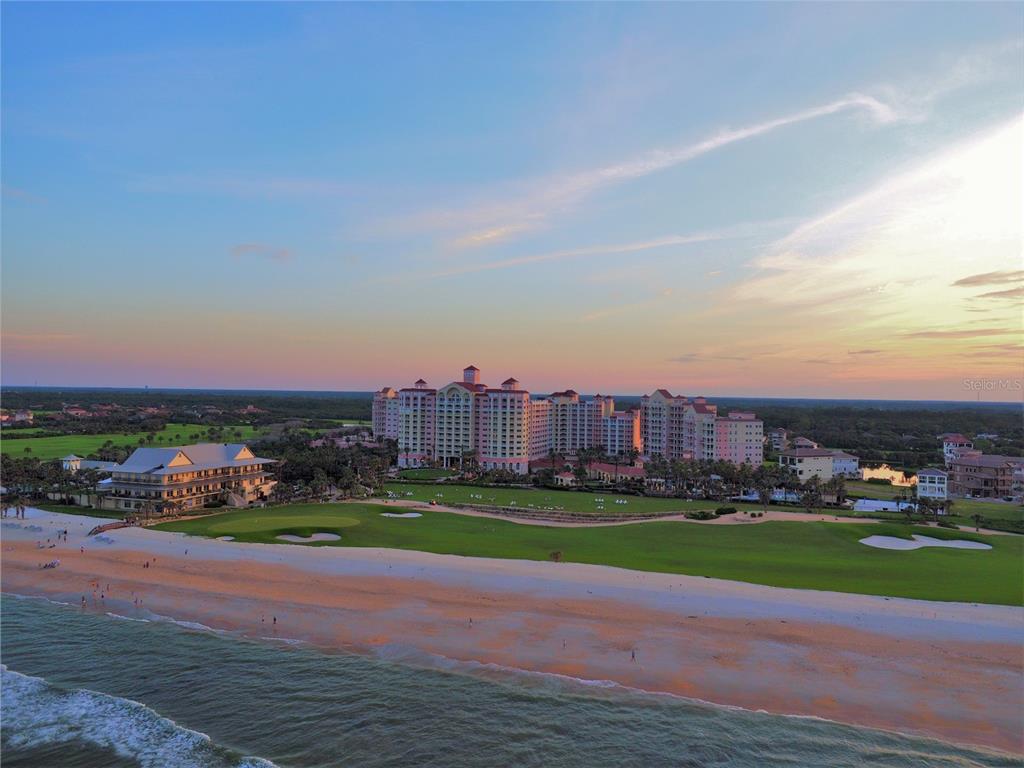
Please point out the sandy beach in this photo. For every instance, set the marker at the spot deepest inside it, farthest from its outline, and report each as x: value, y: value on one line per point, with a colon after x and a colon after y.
x: 949, y: 670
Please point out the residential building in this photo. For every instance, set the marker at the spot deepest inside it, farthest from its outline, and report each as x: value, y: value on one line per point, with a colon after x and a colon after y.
x: 808, y: 463
x: 620, y: 432
x: 654, y: 421
x: 72, y: 463
x: 978, y: 475
x: 610, y: 473
x: 416, y: 406
x: 575, y: 422
x: 22, y: 416
x: 679, y: 428
x: 804, y: 442
x: 739, y: 438
x: 188, y: 477
x: 778, y: 439
x: 953, y: 444
x: 933, y: 483
x: 505, y: 428
x: 845, y: 464
x: 541, y: 444
x: 385, y: 413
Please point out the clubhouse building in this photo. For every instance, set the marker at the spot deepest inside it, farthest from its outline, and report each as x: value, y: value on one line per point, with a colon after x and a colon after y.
x: 187, y: 477
x: 506, y: 428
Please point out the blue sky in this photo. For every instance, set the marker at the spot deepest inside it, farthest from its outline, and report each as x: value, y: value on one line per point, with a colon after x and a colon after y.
x: 601, y: 196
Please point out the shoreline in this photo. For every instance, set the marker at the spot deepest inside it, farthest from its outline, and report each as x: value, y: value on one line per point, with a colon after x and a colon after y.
x: 945, y: 670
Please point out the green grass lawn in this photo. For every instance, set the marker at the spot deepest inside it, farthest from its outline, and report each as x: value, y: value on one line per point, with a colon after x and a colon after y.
x: 877, y: 490
x: 1002, y: 515
x: 571, y: 501
x: 83, y: 445
x: 802, y: 555
x: 426, y: 473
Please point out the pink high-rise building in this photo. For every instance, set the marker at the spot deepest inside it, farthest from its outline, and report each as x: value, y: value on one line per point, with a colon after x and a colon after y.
x: 680, y: 428
x: 504, y: 428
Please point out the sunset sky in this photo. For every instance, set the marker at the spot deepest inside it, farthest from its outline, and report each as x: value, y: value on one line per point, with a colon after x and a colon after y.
x: 777, y: 200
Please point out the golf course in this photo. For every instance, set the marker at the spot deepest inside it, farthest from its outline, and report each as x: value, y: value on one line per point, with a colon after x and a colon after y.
x: 58, y: 446
x: 806, y: 555
x: 596, y: 503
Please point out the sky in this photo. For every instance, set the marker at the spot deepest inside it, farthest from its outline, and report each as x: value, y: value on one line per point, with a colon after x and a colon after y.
x: 806, y: 200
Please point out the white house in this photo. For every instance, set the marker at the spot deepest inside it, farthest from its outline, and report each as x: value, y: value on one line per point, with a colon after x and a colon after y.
x: 808, y: 463
x: 845, y: 464
x: 932, y: 484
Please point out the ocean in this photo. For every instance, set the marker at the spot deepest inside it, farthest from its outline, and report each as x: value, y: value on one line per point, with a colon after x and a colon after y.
x: 92, y: 690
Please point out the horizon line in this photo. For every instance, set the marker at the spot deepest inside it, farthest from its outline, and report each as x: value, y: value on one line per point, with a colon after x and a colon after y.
x: 144, y: 388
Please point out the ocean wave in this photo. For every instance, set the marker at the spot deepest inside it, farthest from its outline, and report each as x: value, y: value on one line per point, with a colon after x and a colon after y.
x: 195, y: 626
x: 126, y: 618
x: 37, y: 713
x: 41, y: 598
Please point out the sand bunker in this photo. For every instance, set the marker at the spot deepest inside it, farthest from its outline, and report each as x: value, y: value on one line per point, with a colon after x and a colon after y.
x: 225, y: 538
x: 305, y: 540
x: 892, y: 542
x: 401, y: 514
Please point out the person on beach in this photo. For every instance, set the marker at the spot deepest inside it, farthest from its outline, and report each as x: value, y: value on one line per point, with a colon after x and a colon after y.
x: 632, y: 655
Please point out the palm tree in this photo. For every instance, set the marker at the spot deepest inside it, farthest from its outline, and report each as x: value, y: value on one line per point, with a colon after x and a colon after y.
x: 811, y: 497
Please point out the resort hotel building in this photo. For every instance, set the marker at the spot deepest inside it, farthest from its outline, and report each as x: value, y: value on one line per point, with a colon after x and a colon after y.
x: 507, y: 428
x: 187, y: 477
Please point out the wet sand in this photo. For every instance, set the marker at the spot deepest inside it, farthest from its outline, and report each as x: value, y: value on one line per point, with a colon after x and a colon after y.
x: 949, y: 670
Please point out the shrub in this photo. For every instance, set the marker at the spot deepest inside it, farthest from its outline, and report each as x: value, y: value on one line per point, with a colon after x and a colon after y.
x: 725, y: 511
x: 947, y: 524
x: 701, y: 514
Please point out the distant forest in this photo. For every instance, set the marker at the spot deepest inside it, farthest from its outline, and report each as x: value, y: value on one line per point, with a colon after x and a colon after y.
x: 278, y: 405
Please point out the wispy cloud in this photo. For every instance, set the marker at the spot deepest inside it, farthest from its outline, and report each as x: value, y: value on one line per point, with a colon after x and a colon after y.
x: 561, y: 192
x: 864, y: 352
x: 247, y: 186
x: 693, y: 357
x: 1000, y: 277
x: 960, y: 333
x: 1009, y: 293
x: 575, y: 253
x: 270, y: 252
x: 17, y: 193
x: 622, y: 309
x: 877, y: 253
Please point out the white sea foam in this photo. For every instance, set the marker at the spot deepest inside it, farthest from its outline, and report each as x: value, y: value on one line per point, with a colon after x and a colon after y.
x: 125, y: 618
x: 37, y: 713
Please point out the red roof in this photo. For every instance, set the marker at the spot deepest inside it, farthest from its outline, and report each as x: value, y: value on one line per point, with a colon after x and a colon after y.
x: 471, y: 368
x: 624, y: 470
x: 510, y: 381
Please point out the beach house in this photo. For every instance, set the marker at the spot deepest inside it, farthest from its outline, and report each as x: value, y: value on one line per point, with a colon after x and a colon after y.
x: 187, y: 477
